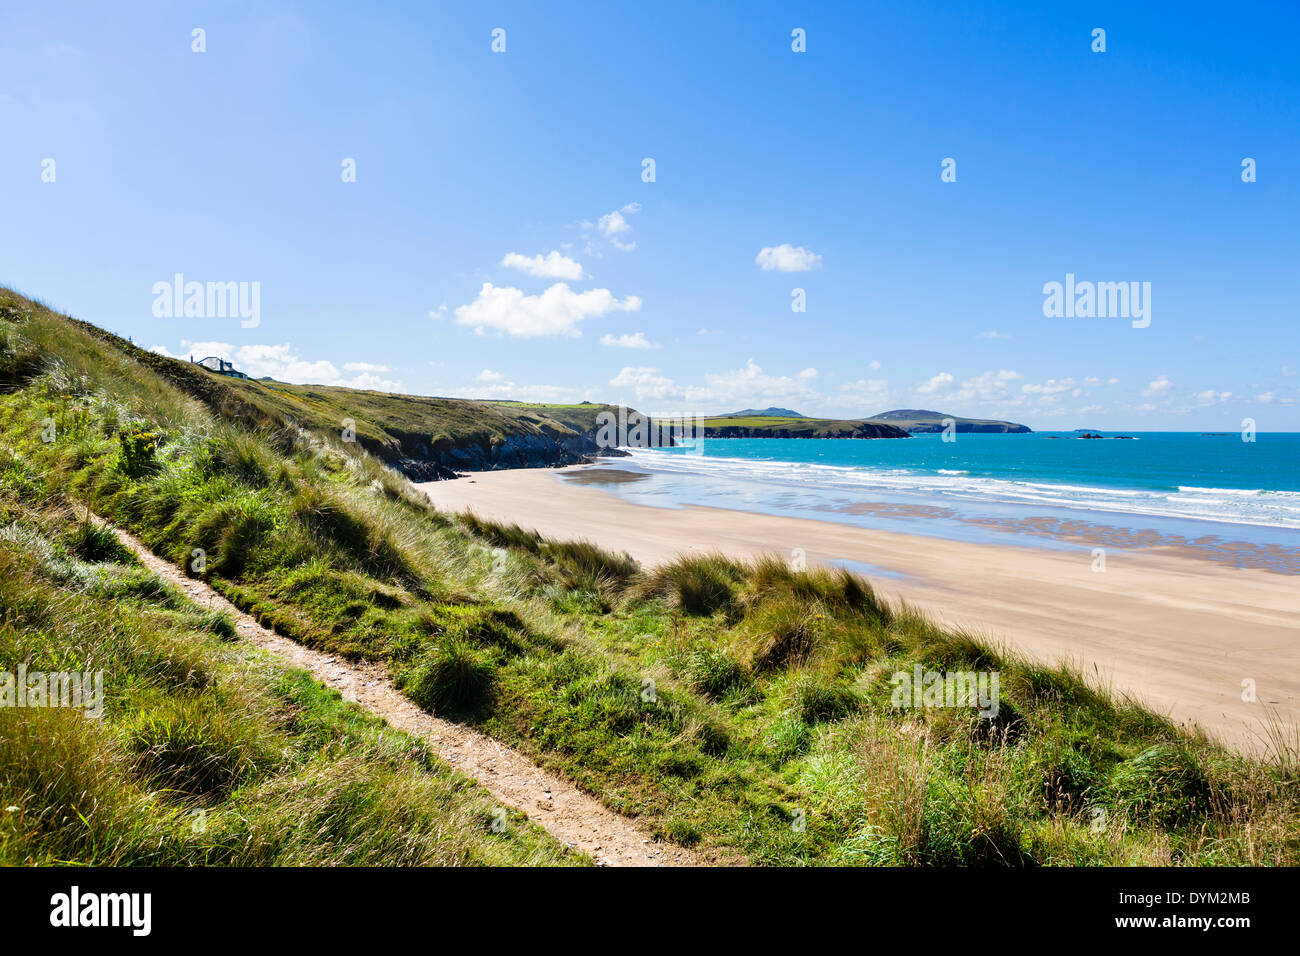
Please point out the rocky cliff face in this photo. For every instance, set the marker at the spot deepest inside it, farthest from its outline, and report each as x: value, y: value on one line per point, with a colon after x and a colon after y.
x: 924, y: 421
x: 858, y: 430
x: 996, y: 428
x: 423, y: 460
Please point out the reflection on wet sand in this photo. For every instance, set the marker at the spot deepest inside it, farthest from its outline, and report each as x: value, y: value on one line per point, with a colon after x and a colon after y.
x: 1238, y: 554
x: 602, y: 476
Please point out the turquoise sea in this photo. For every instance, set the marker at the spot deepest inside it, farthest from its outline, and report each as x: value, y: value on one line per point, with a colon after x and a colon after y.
x: 1217, y: 494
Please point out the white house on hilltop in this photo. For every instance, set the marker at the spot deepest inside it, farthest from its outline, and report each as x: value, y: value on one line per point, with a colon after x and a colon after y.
x: 214, y: 363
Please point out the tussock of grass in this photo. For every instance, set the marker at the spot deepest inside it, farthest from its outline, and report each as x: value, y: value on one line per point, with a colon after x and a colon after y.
x: 573, y: 565
x: 243, y: 458
x: 781, y: 633
x: 219, y: 623
x: 834, y: 590
x: 1164, y: 784
x: 816, y: 697
x: 715, y: 673
x: 453, y: 677
x: 362, y: 538
x: 191, y: 750
x: 696, y: 584
x: 233, y: 531
x: 93, y: 543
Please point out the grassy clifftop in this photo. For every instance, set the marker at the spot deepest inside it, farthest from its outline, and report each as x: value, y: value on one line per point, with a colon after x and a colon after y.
x: 423, y: 436
x: 778, y: 426
x: 748, y: 709
x: 429, y: 437
x: 396, y: 424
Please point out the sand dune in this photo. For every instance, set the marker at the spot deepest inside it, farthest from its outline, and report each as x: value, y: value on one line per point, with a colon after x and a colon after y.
x: 1177, y: 632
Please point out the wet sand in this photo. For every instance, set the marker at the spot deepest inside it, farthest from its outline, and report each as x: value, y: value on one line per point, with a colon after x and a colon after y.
x: 1177, y: 631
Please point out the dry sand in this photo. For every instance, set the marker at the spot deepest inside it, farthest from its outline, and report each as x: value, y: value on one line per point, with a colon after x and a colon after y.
x: 1179, y: 633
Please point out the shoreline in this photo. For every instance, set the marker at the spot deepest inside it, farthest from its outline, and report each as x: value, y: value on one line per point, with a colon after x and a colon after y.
x: 1178, y: 632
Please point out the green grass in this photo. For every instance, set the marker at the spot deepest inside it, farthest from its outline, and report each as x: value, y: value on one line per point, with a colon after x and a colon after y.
x: 206, y: 753
x: 739, y: 707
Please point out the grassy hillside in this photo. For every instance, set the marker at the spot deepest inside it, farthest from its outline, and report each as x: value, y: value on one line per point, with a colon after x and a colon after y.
x: 769, y: 412
x: 397, y: 429
x: 402, y: 423
x: 778, y: 426
x: 744, y: 708
x: 916, y: 420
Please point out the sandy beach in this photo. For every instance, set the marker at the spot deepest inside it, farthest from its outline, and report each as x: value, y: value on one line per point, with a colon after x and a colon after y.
x: 1178, y: 632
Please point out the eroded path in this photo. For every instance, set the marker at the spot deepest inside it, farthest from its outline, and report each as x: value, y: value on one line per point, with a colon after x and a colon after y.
x: 568, y: 814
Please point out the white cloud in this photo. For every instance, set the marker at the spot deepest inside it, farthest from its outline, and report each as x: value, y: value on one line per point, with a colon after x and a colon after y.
x: 1049, y: 390
x: 282, y: 363
x: 787, y: 258
x: 614, y: 227
x: 938, y: 383
x: 723, y: 391
x: 550, y: 266
x: 196, y: 350
x: 874, y: 366
x: 487, y: 375
x: 1211, y: 397
x: 1265, y: 398
x: 748, y: 386
x: 994, y: 334
x: 516, y: 392
x: 372, y: 383
x: 871, y: 392
x: 1158, y: 388
x: 613, y: 224
x: 1096, y: 380
x: 557, y: 311
x: 987, y: 388
x: 807, y: 373
x: 636, y: 340
x: 646, y: 383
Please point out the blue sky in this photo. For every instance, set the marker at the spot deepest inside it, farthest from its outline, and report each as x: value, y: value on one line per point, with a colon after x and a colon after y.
x: 499, y: 240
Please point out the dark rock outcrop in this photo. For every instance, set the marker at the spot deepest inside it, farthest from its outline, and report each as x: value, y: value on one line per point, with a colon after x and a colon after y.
x: 425, y: 460
x: 964, y: 427
x: 855, y: 430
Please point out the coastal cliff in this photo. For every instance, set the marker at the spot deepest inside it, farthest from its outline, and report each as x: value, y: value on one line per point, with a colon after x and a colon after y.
x: 921, y: 421
x: 424, y: 460
x: 814, y: 429
x: 426, y: 438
